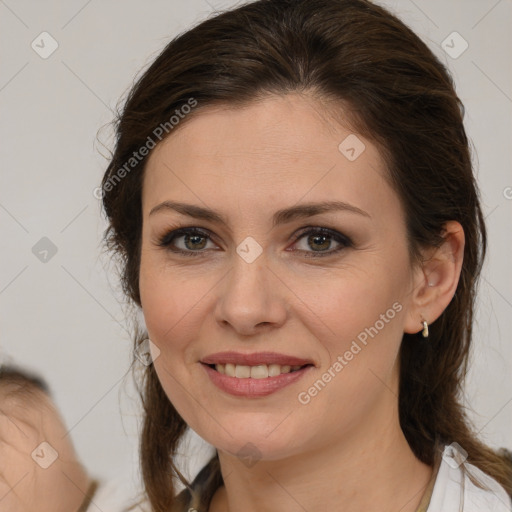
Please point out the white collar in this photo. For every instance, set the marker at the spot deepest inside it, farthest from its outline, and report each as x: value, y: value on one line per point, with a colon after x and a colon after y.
x: 454, y: 491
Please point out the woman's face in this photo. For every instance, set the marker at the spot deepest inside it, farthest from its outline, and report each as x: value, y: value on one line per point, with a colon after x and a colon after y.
x: 336, y: 300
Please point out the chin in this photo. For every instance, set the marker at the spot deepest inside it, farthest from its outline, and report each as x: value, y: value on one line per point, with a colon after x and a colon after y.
x: 251, y: 443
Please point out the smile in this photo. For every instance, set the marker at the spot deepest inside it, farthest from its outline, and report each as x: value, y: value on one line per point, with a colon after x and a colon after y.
x: 260, y: 371
x: 256, y: 374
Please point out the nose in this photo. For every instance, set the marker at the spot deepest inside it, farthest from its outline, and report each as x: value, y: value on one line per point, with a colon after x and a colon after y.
x: 251, y: 298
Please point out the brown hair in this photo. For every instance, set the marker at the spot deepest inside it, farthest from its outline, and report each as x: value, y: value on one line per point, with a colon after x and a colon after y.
x: 351, y: 53
x: 21, y: 384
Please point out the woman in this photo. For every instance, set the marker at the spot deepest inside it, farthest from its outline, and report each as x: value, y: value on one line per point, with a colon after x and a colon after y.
x: 292, y: 202
x: 279, y: 209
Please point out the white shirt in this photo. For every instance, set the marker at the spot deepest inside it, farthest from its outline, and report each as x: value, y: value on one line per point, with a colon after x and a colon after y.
x: 453, y: 490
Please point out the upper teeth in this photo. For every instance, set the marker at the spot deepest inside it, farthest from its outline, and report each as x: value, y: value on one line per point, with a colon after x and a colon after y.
x: 261, y: 371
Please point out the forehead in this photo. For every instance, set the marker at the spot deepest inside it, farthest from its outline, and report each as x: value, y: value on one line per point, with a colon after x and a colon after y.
x: 277, y: 150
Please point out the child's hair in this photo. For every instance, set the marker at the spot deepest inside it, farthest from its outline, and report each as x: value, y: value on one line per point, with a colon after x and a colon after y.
x: 363, y: 61
x: 21, y: 384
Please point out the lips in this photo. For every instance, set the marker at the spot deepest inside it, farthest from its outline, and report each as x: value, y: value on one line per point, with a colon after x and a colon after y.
x: 254, y: 359
x: 254, y: 375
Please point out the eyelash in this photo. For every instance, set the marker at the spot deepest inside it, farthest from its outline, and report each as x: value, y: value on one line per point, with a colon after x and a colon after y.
x: 168, y: 238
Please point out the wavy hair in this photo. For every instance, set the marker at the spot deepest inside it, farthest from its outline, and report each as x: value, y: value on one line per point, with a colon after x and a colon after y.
x: 357, y: 55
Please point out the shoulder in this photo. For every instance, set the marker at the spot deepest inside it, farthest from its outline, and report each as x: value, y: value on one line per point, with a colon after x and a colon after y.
x: 494, y: 498
x: 455, y: 491
x: 124, y: 494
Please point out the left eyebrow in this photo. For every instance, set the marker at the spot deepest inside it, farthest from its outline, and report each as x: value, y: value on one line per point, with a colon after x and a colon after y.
x: 310, y: 209
x: 280, y: 217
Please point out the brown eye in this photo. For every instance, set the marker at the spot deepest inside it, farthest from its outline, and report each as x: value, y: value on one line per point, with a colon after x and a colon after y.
x: 194, y: 241
x: 320, y: 240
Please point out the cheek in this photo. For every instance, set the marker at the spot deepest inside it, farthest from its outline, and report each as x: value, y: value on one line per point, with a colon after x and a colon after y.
x: 173, y: 301
x: 357, y: 316
x: 171, y: 306
x: 360, y: 326
x: 343, y: 303
x: 166, y: 311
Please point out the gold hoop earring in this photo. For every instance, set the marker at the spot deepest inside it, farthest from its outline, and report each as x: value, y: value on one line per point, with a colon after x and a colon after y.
x: 425, y: 329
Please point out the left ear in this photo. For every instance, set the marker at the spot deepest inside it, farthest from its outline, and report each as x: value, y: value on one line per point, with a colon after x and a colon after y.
x: 436, y: 279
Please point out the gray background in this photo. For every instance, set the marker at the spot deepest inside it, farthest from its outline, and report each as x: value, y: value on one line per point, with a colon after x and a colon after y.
x: 63, y: 318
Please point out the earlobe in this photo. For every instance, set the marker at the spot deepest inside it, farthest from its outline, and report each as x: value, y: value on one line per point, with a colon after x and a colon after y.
x: 436, y: 280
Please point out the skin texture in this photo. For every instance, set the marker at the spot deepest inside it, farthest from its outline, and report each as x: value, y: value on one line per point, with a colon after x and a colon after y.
x: 344, y: 449
x: 26, y: 486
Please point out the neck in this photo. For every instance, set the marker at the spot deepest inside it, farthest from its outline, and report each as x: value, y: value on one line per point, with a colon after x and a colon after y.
x: 371, y: 469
